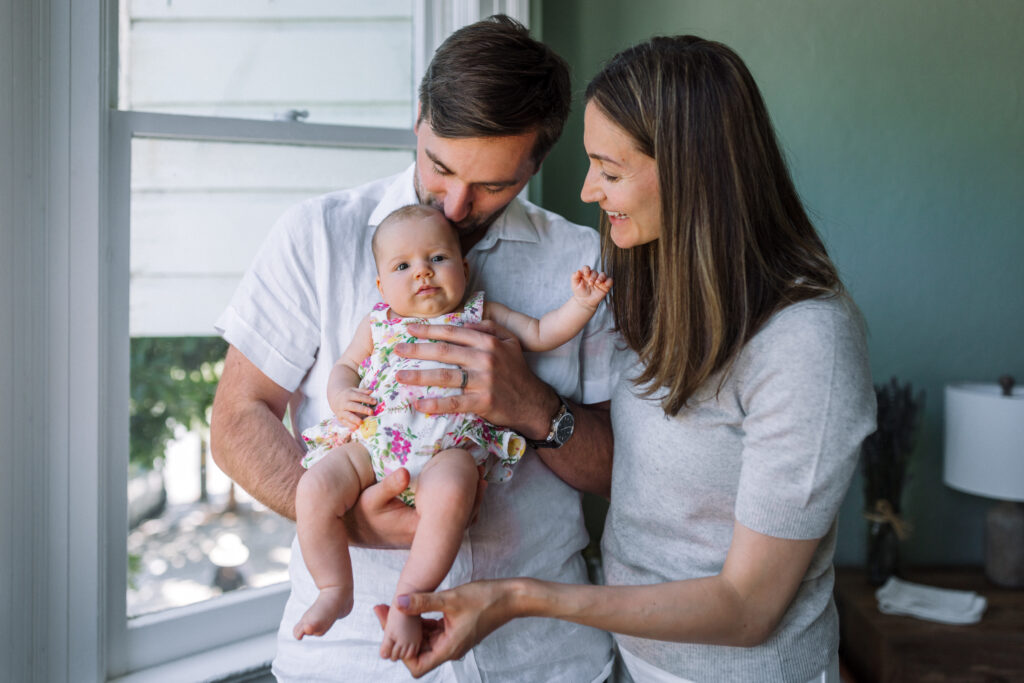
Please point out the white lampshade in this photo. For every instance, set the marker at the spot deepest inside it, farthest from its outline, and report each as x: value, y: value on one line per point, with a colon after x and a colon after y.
x: 985, y: 441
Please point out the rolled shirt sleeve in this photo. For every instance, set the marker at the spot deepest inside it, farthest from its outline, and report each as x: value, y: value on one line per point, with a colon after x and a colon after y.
x: 273, y: 316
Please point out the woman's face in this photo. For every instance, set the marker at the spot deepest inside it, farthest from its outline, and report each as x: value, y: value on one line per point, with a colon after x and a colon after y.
x: 622, y: 180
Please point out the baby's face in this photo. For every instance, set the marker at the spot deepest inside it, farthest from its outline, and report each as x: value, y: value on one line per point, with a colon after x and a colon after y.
x: 420, y: 269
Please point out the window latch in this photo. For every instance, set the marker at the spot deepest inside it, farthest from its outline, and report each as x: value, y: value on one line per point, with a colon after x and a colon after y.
x: 292, y: 115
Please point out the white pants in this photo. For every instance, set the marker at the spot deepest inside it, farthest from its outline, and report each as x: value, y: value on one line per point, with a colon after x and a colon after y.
x: 644, y: 672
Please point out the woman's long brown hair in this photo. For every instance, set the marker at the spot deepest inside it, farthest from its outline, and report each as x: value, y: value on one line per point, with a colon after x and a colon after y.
x: 736, y: 244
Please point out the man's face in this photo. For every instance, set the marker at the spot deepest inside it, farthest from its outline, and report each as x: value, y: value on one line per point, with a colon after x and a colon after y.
x: 471, y: 180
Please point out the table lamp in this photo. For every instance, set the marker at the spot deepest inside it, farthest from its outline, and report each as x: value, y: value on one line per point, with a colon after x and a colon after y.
x: 985, y: 457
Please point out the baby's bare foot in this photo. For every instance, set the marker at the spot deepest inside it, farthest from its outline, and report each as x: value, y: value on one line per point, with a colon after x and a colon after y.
x: 402, y: 636
x: 332, y: 604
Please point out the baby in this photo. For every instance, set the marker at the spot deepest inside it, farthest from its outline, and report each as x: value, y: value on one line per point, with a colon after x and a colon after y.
x: 422, y: 277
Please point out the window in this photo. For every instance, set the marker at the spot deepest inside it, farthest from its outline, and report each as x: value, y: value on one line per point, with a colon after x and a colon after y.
x: 226, y: 113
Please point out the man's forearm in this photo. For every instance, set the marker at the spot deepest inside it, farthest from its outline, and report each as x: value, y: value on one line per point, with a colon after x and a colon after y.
x: 261, y: 457
x: 585, y: 461
x: 248, y: 440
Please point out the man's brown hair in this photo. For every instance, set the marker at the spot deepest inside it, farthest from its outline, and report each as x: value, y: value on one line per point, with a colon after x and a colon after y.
x: 491, y: 79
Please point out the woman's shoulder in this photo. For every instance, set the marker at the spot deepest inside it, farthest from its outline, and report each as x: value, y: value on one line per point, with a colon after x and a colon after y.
x: 813, y: 318
x: 809, y: 332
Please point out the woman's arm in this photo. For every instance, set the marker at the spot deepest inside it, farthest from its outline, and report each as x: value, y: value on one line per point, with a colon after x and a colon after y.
x: 741, y: 606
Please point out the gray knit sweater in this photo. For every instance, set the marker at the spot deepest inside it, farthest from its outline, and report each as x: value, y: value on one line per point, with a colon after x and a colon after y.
x: 775, y: 450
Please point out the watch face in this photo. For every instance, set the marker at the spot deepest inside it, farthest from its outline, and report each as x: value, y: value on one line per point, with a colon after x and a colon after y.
x: 563, y: 430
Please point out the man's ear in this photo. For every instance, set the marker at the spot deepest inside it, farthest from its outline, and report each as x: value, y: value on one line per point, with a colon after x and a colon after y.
x: 416, y: 124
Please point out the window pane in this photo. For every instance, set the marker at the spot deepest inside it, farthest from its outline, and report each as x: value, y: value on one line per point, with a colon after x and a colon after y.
x: 199, y: 212
x: 341, y: 61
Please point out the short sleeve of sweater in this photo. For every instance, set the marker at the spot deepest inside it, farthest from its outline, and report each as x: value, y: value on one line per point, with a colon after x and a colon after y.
x: 808, y: 402
x: 273, y: 317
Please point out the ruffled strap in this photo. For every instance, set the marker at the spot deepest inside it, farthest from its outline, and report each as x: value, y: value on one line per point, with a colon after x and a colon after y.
x: 379, y: 312
x: 473, y: 311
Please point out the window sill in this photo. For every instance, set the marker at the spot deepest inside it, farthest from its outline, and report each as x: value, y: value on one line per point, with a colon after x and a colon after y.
x: 245, y: 660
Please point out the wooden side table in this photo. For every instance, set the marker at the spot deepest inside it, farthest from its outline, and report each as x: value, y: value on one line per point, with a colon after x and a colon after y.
x: 884, y: 648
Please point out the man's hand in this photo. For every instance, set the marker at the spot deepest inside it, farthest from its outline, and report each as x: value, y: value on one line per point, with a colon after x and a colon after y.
x: 379, y: 520
x: 500, y: 387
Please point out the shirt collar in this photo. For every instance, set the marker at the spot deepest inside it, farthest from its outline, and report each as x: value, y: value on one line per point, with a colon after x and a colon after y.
x: 513, y: 224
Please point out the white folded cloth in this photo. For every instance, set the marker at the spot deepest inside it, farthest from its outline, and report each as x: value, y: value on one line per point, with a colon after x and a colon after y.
x: 927, y: 602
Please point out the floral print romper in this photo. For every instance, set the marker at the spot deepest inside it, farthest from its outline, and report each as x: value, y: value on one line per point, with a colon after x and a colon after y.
x: 397, y: 435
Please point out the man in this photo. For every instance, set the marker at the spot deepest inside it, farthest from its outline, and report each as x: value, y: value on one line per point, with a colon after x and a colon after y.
x: 492, y: 103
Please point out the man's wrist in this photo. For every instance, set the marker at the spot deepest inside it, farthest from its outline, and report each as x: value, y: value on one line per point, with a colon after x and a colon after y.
x: 540, y: 425
x: 561, y: 426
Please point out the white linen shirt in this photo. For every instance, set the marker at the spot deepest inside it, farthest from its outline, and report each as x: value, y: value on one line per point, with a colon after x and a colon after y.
x: 295, y: 312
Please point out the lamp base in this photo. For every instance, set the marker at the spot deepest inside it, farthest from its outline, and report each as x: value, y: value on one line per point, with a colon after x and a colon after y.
x: 1004, y: 544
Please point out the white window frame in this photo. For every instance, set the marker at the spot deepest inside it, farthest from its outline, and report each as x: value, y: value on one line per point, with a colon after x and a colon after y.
x: 86, y: 192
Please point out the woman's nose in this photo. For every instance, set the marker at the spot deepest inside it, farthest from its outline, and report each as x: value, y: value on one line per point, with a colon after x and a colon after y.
x: 590, y: 193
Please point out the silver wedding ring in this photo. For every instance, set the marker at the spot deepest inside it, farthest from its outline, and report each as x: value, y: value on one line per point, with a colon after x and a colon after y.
x: 465, y: 378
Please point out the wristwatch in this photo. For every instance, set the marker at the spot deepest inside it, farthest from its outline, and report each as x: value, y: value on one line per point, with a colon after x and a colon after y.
x: 562, y: 425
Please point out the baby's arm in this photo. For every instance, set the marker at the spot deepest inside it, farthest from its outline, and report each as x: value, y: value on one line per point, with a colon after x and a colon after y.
x: 555, y: 327
x: 348, y: 402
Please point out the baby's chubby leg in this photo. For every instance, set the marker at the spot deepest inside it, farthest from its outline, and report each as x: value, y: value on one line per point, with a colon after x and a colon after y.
x: 325, y: 493
x: 444, y: 500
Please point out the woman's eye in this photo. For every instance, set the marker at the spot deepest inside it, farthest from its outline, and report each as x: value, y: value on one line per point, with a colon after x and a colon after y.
x: 610, y: 178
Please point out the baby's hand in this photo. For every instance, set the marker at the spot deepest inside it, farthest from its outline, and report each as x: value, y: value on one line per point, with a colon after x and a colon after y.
x: 350, y: 405
x: 589, y: 287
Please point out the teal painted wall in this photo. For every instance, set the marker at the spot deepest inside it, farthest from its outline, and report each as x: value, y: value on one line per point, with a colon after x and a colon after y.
x: 903, y: 123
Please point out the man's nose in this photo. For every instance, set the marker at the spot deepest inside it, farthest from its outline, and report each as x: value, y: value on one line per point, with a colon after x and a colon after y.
x: 457, y: 202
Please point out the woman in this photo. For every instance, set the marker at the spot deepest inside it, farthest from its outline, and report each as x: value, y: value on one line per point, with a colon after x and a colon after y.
x: 743, y: 402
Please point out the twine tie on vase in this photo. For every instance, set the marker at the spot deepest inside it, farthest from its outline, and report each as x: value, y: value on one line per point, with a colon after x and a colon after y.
x: 885, y: 514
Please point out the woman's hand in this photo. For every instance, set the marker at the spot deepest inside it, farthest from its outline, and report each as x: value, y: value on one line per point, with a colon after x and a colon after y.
x: 471, y: 612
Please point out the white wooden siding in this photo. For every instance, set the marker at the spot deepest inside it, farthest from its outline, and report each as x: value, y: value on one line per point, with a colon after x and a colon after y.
x: 200, y: 210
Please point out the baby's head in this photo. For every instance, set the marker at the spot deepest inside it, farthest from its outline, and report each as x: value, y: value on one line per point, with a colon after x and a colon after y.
x: 420, y: 269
